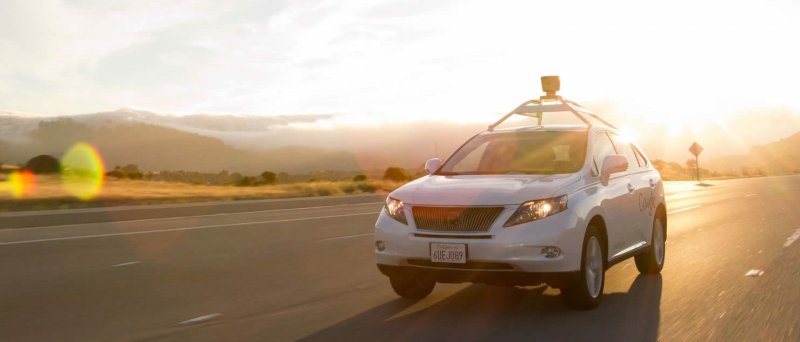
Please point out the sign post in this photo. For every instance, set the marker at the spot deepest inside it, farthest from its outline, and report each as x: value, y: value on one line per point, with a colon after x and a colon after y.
x: 696, y: 149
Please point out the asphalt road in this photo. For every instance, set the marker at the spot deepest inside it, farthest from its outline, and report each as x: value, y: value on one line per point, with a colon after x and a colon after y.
x: 303, y: 269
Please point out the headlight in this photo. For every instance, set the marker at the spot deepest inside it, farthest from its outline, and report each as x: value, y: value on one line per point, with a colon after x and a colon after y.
x: 538, y: 209
x: 394, y: 208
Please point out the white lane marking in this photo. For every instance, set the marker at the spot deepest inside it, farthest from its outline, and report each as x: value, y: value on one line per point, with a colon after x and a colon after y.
x: 200, y: 319
x: 345, y: 237
x: 190, y: 216
x: 792, y: 238
x: 684, y: 209
x: 750, y: 195
x: 754, y: 273
x: 125, y: 264
x: 178, y: 229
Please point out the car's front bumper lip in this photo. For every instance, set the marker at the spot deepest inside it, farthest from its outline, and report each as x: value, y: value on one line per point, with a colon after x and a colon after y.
x: 493, y: 277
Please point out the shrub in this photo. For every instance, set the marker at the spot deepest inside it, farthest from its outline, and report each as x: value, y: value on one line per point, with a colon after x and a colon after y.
x: 269, y: 177
x: 130, y: 171
x: 116, y: 173
x: 395, y: 174
x: 359, y: 178
x: 349, y: 189
x: 43, y: 164
x: 246, y: 181
x: 366, y: 187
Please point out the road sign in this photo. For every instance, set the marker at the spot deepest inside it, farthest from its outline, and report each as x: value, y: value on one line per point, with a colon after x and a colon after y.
x: 696, y: 149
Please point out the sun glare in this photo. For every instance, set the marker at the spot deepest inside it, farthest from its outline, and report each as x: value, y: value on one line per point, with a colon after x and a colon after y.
x: 628, y: 135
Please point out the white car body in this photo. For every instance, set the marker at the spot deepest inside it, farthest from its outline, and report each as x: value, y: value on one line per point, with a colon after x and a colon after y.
x: 625, y: 207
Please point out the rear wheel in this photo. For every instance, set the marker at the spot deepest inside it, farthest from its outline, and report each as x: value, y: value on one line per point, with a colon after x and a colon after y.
x: 651, y: 260
x: 411, y: 287
x: 585, y: 292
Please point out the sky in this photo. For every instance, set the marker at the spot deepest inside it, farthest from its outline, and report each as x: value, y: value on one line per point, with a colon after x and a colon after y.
x: 675, y: 65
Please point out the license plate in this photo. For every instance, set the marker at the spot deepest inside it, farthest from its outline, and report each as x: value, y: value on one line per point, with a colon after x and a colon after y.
x: 451, y: 253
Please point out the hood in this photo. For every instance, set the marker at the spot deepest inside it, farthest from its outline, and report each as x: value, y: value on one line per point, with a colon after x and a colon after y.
x: 467, y: 190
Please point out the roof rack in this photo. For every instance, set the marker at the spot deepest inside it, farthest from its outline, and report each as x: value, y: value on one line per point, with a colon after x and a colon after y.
x: 551, y: 103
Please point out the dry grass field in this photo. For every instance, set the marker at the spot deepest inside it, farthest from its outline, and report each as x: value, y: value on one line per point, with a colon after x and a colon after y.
x: 49, y: 192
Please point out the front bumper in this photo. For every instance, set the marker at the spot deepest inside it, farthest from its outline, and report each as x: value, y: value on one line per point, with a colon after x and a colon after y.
x: 502, y: 252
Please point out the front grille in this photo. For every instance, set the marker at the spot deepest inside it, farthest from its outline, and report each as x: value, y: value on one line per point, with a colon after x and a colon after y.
x: 455, y: 219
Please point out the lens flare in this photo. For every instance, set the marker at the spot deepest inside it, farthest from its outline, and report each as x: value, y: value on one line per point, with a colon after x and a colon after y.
x: 82, y: 171
x: 21, y: 183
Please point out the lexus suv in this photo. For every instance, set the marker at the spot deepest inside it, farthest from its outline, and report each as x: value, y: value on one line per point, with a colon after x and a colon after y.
x: 554, y: 204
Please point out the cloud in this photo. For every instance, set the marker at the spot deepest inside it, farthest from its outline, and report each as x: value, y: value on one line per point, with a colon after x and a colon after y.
x: 403, y: 59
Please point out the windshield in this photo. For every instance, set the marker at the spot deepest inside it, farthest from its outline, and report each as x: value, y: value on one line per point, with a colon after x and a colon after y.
x: 542, y: 152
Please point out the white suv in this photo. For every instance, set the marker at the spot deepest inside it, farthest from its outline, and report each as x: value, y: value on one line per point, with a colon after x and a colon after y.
x: 555, y: 204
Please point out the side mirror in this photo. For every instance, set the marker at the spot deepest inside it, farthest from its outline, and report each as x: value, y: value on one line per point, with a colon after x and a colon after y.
x: 432, y: 165
x: 612, y: 164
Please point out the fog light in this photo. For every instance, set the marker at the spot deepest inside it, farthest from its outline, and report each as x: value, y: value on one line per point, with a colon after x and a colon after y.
x: 551, y: 252
x: 380, y: 245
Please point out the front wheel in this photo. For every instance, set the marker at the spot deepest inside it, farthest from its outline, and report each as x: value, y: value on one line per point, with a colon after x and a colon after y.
x: 585, y: 293
x: 411, y: 287
x: 651, y: 260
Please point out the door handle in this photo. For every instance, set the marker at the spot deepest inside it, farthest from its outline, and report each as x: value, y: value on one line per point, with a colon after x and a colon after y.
x: 631, y: 188
x: 652, y: 183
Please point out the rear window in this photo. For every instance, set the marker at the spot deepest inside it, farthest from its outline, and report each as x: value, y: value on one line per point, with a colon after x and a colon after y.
x: 542, y: 152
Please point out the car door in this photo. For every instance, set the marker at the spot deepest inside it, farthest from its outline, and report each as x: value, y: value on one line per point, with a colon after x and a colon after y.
x: 647, y: 200
x: 615, y: 198
x: 638, y: 209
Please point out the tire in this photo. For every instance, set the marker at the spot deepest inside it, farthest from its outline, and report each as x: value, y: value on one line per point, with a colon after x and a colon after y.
x: 651, y: 260
x: 585, y: 293
x: 411, y: 287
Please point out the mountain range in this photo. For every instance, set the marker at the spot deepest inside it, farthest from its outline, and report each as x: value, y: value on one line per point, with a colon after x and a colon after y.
x: 779, y: 157
x: 250, y: 144
x: 212, y: 143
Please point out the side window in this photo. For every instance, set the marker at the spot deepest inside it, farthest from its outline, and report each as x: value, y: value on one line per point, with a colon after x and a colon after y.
x: 602, y: 148
x: 624, y: 148
x: 640, y: 156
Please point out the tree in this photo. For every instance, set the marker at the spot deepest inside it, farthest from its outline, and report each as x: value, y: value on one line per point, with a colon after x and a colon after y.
x: 283, y: 177
x: 395, y: 174
x: 268, y: 177
x: 246, y: 181
x: 131, y: 168
x: 359, y: 178
x: 43, y: 164
x: 130, y: 171
x: 745, y: 171
x: 116, y: 173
